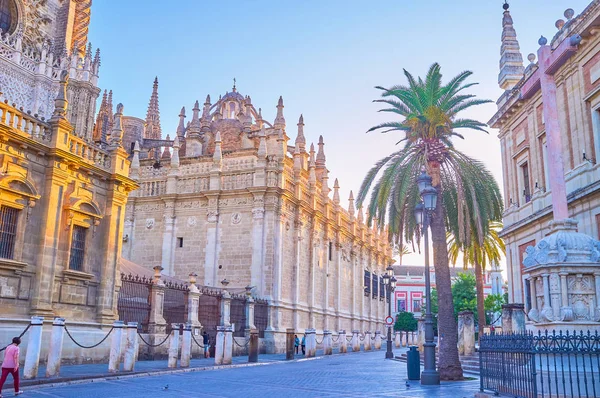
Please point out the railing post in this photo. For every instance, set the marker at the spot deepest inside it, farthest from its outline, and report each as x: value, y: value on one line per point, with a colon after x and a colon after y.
x: 186, y: 346
x: 115, y: 347
x: 173, y: 346
x: 327, y: 350
x: 253, y: 346
x: 250, y: 324
x: 367, y: 341
x: 157, y: 323
x: 311, y: 343
x: 226, y: 308
x: 378, y: 340
x: 55, y: 350
x: 34, y: 345
x: 130, y: 347
x: 343, y: 343
x: 355, y: 341
x: 219, y: 345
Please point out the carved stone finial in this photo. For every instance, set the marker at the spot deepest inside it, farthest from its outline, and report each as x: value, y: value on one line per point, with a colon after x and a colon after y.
x: 542, y: 41
x: 61, y: 103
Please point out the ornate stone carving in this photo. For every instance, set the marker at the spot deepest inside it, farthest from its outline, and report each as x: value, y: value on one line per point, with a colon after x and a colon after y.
x: 212, y: 216
x: 150, y: 223
x: 258, y: 214
x: 236, y: 218
x: 191, y: 221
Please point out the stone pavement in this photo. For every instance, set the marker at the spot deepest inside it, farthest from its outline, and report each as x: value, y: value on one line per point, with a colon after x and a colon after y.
x: 364, y: 374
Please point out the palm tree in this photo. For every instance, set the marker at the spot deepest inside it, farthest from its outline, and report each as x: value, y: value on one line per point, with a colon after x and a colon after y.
x: 400, y: 251
x: 466, y: 189
x: 479, y: 255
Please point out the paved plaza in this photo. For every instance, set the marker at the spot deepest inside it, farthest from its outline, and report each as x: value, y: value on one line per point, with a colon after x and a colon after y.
x: 352, y: 375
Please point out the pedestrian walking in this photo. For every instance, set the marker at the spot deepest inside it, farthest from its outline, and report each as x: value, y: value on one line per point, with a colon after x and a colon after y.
x: 205, y: 342
x: 10, y: 365
x: 296, y: 343
x: 303, y: 344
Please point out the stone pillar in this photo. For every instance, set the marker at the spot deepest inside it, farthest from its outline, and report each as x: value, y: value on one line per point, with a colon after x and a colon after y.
x: 367, y: 341
x: 378, y: 340
x: 327, y: 349
x: 257, y: 264
x: 420, y: 333
x: 513, y: 318
x: 311, y: 343
x: 219, y: 345
x: 566, y: 312
x: 397, y: 339
x: 168, y: 237
x: 466, y: 333
x: 289, y: 344
x: 533, y: 312
x: 547, y: 311
x: 193, y: 303
x: 130, y: 347
x: 226, y: 309
x: 597, y: 311
x: 173, y: 346
x: 253, y: 346
x: 186, y: 346
x: 34, y: 345
x: 355, y: 341
x: 250, y: 314
x: 55, y: 350
x: 228, y: 346
x: 404, y: 339
x: 343, y: 343
x: 115, y: 347
x: 156, y: 322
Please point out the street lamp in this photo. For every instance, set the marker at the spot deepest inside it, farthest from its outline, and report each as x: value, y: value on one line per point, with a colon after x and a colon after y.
x: 423, y: 213
x: 390, y: 283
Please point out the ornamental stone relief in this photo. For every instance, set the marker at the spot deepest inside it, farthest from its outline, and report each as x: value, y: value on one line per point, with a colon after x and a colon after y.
x: 150, y: 223
x: 191, y: 221
x: 236, y: 218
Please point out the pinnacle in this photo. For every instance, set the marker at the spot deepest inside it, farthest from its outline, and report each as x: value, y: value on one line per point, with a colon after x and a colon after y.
x: 218, y: 137
x: 280, y: 102
x: 182, y: 113
x: 301, y: 120
x: 351, y: 196
x: 196, y: 105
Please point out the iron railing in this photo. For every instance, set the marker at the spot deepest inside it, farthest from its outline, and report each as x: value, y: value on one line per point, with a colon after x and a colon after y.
x: 8, y: 231
x: 133, y: 304
x: 209, y: 310
x: 175, y: 304
x: 541, y: 365
x: 238, y: 315
x: 261, y: 316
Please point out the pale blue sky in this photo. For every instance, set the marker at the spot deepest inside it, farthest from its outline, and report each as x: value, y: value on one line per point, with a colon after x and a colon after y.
x: 324, y: 57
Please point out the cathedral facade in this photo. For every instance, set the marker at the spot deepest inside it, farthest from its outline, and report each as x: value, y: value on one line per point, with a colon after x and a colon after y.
x: 229, y: 198
x: 62, y: 195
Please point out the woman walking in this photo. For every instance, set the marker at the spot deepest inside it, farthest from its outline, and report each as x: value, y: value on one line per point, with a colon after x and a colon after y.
x: 10, y: 365
x: 303, y: 346
x: 296, y: 343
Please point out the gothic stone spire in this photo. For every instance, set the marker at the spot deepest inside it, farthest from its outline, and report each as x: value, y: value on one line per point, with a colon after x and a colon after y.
x: 511, y: 59
x: 153, y: 130
x: 300, y: 139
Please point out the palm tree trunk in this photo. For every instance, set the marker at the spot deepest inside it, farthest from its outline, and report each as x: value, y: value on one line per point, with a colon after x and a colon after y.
x: 449, y: 362
x: 480, y: 298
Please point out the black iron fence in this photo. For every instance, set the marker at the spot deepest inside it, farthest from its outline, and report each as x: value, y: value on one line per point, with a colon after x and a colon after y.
x: 541, y: 365
x: 261, y: 316
x: 209, y: 310
x: 134, y: 300
x: 175, y: 304
x: 238, y: 315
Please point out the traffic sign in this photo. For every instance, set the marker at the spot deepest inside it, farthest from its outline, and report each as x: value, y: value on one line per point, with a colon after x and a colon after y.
x: 389, y: 321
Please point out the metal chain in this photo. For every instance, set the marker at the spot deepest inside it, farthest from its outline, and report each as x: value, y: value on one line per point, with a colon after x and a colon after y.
x: 374, y: 336
x: 349, y: 338
x: 195, y: 341
x: 90, y: 346
x: 362, y: 338
x: 153, y: 345
x: 21, y: 335
x: 335, y: 340
x: 239, y: 345
x: 319, y: 342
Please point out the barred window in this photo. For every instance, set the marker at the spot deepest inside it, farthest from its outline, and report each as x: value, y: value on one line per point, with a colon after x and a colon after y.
x: 375, y: 283
x: 8, y: 231
x: 367, y: 281
x: 77, y: 248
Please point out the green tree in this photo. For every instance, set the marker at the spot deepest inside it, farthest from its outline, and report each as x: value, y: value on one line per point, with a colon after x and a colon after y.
x: 434, y: 301
x: 428, y: 111
x: 405, y: 322
x: 478, y: 254
x: 464, y: 293
x: 493, y: 304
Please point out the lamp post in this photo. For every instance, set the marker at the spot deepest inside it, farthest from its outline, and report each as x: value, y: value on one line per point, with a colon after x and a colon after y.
x: 423, y: 212
x: 390, y: 283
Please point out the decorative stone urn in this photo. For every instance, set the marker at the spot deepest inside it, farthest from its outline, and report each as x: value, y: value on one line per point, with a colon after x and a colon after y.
x: 563, y: 276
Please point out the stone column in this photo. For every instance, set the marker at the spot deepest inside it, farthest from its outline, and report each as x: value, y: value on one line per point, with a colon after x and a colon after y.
x: 193, y: 303
x: 55, y: 350
x: 250, y: 315
x: 367, y: 341
x: 547, y: 312
x: 290, y: 349
x: 173, y: 346
x: 226, y: 309
x: 253, y: 346
x: 378, y: 340
x: 34, y: 345
x: 168, y: 237
x: 186, y: 346
x: 404, y: 339
x: 566, y: 312
x: 311, y: 343
x: 257, y: 265
x: 533, y: 312
x: 115, y: 347
x: 597, y: 311
x: 130, y: 347
x: 228, y: 345
x: 343, y: 343
x: 466, y: 333
x: 397, y: 338
x: 327, y: 349
x: 420, y: 333
x: 513, y: 318
x: 156, y: 323
x: 219, y: 345
x: 355, y: 341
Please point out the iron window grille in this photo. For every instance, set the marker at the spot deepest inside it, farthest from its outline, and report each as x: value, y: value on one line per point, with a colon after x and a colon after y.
x: 367, y: 283
x: 77, y: 248
x: 8, y: 231
x: 375, y: 283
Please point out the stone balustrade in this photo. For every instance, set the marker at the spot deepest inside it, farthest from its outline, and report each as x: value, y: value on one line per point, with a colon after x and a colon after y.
x: 23, y: 122
x: 90, y: 153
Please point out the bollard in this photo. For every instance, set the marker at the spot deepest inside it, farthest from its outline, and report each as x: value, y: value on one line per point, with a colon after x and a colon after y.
x: 173, y: 346
x: 130, y: 355
x: 311, y: 343
x: 186, y: 346
x: 115, y: 347
x: 253, y: 346
x: 404, y: 339
x: 55, y: 350
x: 355, y: 341
x: 34, y: 345
x: 219, y: 345
x: 327, y: 349
x: 397, y: 337
x: 289, y: 344
x: 367, y: 341
x: 343, y: 342
x: 228, y: 346
x: 377, y: 340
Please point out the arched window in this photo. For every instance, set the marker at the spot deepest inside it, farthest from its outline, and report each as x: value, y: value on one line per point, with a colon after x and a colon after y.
x: 8, y: 16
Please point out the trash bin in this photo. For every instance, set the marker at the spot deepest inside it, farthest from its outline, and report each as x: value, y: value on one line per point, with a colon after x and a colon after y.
x: 413, y: 364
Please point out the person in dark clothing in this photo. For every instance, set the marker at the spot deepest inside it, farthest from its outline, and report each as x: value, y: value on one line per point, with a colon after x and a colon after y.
x: 296, y: 343
x: 303, y: 345
x: 206, y: 343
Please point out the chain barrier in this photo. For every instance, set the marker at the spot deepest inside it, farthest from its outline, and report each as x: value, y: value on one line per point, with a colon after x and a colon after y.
x: 88, y: 346
x: 497, y: 319
x: 195, y: 341
x: 349, y: 338
x: 21, y: 335
x: 319, y: 342
x: 154, y: 345
x: 374, y: 336
x: 240, y: 345
x: 335, y: 340
x: 362, y: 338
